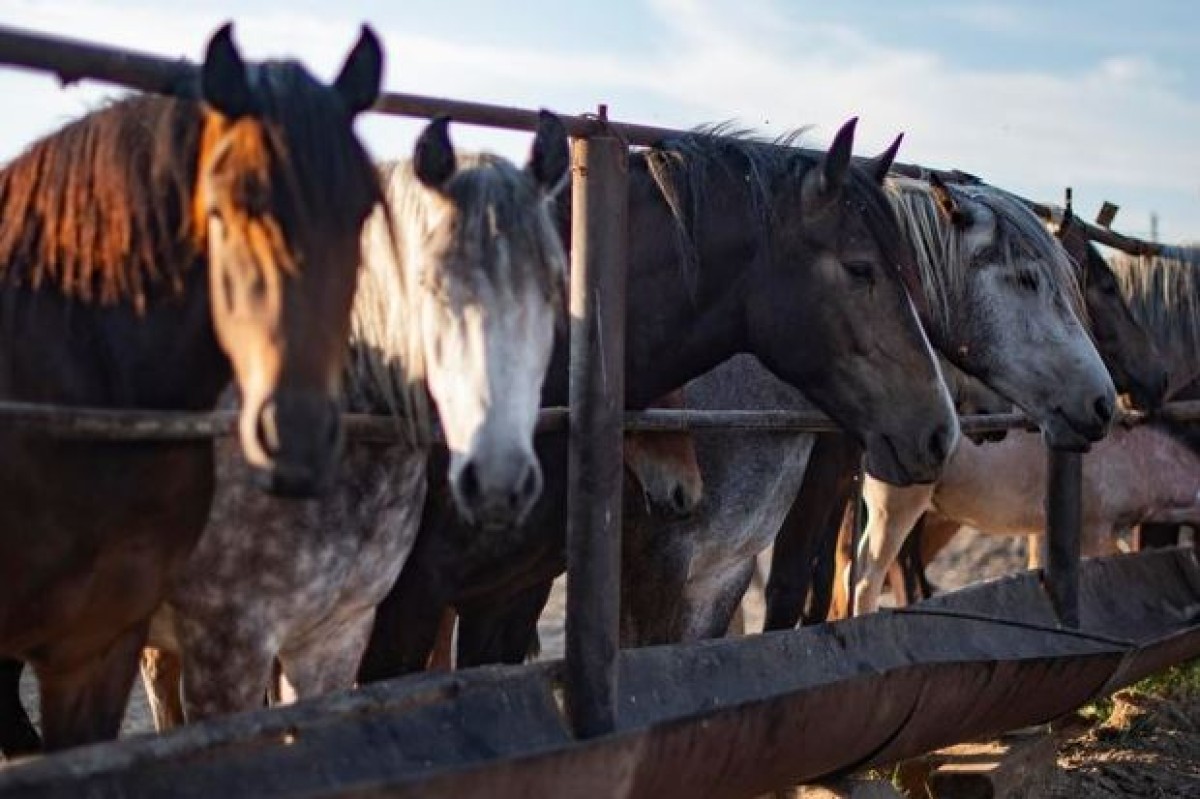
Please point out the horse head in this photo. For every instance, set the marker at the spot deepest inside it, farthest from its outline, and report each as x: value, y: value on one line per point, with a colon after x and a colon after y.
x: 1125, y: 346
x: 283, y: 190
x: 1005, y: 306
x: 854, y: 344
x: 665, y: 465
x: 491, y: 285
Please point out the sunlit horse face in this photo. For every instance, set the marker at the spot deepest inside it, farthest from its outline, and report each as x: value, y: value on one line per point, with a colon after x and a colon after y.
x: 1012, y: 321
x: 858, y: 350
x: 492, y: 285
x: 284, y: 190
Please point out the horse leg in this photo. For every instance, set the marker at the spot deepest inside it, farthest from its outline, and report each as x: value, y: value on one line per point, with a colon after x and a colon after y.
x: 328, y: 660
x: 804, y: 545
x: 18, y: 736
x: 222, y: 674
x: 1033, y: 548
x: 892, y: 512
x: 442, y: 656
x: 504, y: 631
x: 162, y: 677
x: 406, y: 626
x: 83, y: 699
x: 843, y: 561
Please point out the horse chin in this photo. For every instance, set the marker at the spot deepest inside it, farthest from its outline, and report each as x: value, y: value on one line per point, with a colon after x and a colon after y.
x: 1059, y: 434
x: 289, y: 482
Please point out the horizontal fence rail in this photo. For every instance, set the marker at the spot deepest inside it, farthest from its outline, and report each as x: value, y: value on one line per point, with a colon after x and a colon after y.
x: 107, y: 424
x: 72, y: 60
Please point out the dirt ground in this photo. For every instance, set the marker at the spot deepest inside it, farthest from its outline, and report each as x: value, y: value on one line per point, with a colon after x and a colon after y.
x: 1143, y: 743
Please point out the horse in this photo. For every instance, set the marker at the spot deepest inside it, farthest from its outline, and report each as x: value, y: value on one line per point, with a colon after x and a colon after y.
x: 806, y: 545
x: 684, y: 581
x: 1000, y: 486
x: 767, y: 246
x: 151, y: 249
x: 463, y: 304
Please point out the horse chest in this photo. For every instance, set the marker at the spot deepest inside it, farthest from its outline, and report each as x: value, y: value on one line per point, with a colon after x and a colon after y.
x: 292, y: 561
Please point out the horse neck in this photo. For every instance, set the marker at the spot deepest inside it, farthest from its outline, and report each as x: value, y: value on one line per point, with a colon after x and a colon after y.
x: 59, y: 350
x: 681, y: 319
x: 385, y: 371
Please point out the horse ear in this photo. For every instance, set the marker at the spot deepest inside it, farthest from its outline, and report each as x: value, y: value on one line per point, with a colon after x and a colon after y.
x: 224, y: 84
x: 433, y: 156
x: 879, y: 166
x: 551, y: 152
x: 361, y: 77
x: 822, y: 184
x: 837, y: 160
x: 955, y: 211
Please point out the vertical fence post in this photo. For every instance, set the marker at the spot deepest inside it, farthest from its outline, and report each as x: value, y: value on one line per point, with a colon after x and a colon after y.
x: 599, y: 246
x: 1061, y: 544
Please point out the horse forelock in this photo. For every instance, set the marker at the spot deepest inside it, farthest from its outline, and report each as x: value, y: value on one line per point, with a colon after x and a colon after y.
x: 502, y: 232
x: 310, y: 140
x: 1163, y: 292
x: 945, y: 256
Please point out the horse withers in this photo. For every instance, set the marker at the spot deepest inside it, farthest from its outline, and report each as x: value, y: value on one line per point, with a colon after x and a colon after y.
x: 150, y: 251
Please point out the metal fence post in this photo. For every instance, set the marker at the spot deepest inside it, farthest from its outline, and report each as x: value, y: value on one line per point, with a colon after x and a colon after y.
x: 597, y: 393
x: 1061, y: 544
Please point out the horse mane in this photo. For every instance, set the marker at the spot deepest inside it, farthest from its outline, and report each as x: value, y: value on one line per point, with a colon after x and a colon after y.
x: 944, y: 256
x: 1163, y: 292
x: 102, y: 209
x: 386, y: 371
x: 770, y: 169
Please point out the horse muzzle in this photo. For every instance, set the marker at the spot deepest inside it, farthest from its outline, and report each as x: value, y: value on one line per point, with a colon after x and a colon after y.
x: 293, y: 442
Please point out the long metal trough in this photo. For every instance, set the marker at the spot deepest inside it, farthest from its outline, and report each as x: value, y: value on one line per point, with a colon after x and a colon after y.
x: 721, y: 718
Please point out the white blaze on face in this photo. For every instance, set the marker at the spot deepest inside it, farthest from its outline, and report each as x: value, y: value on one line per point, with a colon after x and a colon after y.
x: 485, y: 363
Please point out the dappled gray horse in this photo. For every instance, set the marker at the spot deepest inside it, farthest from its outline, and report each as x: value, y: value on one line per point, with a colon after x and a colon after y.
x: 1002, y: 302
x: 1131, y: 476
x: 459, y: 292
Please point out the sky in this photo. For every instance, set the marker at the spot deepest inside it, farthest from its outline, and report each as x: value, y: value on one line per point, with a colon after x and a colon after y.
x: 1033, y: 96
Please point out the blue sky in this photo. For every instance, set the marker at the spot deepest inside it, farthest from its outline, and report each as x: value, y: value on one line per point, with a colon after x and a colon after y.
x: 1101, y: 95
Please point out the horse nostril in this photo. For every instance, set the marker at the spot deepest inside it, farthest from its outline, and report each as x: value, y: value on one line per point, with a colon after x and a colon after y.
x: 939, y: 443
x: 468, y: 483
x: 530, y: 487
x: 267, y: 428
x: 679, y: 499
x: 1104, y: 409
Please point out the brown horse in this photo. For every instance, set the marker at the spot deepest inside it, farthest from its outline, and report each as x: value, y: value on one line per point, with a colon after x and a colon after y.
x: 151, y: 250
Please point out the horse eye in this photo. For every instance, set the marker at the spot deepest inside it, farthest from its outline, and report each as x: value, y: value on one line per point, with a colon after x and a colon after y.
x: 1027, y: 281
x: 861, y: 271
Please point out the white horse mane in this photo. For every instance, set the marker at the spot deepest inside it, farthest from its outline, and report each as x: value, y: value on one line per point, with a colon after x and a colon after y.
x: 945, y: 256
x: 386, y: 370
